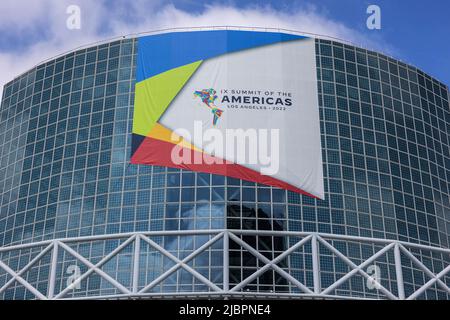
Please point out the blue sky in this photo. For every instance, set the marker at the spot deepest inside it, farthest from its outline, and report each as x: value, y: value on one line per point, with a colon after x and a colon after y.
x: 414, y: 31
x: 417, y: 31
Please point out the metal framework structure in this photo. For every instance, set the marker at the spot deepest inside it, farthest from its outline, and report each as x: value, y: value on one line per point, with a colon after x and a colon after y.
x: 315, y: 243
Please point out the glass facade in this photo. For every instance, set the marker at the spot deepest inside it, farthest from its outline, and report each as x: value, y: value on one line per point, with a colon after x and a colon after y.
x: 65, y: 143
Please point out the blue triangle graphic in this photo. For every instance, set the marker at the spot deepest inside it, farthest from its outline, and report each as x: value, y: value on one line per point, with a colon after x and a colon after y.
x: 164, y: 52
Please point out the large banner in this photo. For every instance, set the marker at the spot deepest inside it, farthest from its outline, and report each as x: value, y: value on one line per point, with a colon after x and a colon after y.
x: 234, y: 103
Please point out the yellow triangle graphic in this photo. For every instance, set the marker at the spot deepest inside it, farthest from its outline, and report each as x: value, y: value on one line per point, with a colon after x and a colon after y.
x: 160, y: 132
x: 154, y: 96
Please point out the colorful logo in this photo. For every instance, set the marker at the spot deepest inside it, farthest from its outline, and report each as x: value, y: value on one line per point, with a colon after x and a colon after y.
x: 208, y: 97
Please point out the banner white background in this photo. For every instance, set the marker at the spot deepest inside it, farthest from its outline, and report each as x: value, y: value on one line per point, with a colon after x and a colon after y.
x: 288, y: 67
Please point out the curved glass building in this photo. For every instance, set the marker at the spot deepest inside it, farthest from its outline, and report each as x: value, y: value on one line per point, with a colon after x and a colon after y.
x: 78, y: 220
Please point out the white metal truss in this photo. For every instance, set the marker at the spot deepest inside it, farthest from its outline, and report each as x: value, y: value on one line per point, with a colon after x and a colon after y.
x: 315, y: 241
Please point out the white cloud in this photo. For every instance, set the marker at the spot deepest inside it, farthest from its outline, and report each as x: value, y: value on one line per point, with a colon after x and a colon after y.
x: 102, y: 20
x: 23, y: 11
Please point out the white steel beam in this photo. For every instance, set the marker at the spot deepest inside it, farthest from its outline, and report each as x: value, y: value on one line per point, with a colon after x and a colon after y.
x: 24, y: 269
x: 94, y: 268
x: 136, y: 261
x: 53, y: 266
x: 23, y: 282
x: 359, y: 269
x: 425, y: 269
x: 399, y: 272
x: 427, y: 285
x: 225, y: 292
x: 315, y: 264
x: 182, y: 263
x: 258, y: 255
x: 226, y: 261
x: 216, y: 231
x: 269, y: 265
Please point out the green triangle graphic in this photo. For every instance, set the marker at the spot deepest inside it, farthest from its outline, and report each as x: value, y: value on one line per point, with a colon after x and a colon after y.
x: 154, y: 95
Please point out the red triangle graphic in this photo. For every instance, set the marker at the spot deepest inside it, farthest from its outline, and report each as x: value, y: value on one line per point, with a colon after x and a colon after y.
x: 158, y: 153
